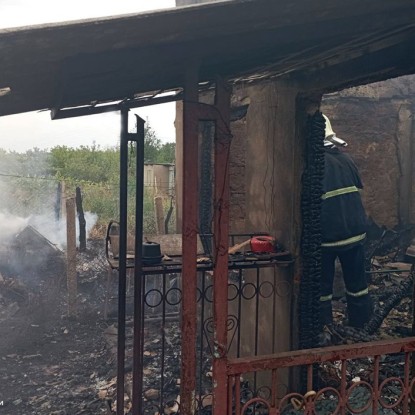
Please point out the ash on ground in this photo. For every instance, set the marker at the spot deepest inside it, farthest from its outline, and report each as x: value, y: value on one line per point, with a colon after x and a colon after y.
x: 49, y: 363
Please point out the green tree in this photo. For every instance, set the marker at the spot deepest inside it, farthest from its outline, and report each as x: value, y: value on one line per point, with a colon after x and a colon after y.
x: 152, y: 144
x: 167, y: 153
x: 85, y: 163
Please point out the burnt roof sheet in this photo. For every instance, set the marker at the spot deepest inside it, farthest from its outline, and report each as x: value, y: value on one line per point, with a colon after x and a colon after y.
x: 317, y: 42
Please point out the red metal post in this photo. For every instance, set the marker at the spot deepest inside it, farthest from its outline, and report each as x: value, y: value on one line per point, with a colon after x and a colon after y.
x: 237, y: 396
x: 274, y: 384
x: 376, y: 392
x: 231, y: 382
x: 221, y: 242
x: 405, y: 406
x: 189, y: 235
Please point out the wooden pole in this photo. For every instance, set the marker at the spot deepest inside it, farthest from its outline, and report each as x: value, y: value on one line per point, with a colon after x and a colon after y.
x: 58, y: 202
x: 158, y: 207
x: 81, y: 219
x: 63, y: 200
x: 72, y: 283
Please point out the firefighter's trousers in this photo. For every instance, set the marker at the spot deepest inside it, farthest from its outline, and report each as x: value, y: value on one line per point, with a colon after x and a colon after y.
x: 359, y: 305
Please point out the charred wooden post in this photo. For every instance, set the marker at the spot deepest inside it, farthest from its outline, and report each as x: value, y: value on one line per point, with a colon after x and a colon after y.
x: 72, y: 283
x: 81, y: 219
x: 158, y: 209
x: 58, y: 202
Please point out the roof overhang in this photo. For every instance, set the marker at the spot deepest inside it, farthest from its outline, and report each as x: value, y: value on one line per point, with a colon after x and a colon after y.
x: 321, y: 44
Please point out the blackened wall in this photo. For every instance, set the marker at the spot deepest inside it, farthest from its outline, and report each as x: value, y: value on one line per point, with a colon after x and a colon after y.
x: 377, y: 122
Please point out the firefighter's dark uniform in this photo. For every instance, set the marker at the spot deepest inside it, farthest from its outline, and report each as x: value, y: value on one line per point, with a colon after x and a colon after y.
x: 343, y: 234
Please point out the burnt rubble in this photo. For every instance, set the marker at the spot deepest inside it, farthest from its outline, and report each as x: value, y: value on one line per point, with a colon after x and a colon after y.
x: 55, y: 365
x: 50, y: 363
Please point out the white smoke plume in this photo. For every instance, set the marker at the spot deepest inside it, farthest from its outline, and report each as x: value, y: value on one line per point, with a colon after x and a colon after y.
x: 46, y: 225
x: 11, y: 225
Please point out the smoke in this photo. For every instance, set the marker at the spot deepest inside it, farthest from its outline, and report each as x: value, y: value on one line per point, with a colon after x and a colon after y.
x: 46, y: 225
x: 55, y: 231
x: 29, y: 197
x: 10, y: 225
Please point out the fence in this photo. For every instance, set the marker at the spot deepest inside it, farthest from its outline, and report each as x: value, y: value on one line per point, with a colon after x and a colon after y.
x: 254, y: 288
x: 25, y: 197
x: 368, y: 378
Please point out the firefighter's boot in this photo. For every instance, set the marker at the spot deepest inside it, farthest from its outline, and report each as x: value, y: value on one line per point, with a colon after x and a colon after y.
x: 326, y: 313
x: 359, y: 310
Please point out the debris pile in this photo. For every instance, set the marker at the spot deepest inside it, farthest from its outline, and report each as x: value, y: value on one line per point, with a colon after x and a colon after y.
x: 161, y: 370
x: 48, y: 362
x: 13, y: 294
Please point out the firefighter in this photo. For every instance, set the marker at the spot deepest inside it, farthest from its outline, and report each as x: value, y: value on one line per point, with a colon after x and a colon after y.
x: 344, y: 224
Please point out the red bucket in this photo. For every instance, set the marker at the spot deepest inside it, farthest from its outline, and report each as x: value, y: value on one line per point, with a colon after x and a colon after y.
x: 262, y: 243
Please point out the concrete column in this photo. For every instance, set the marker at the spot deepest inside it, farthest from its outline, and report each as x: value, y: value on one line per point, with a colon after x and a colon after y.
x: 404, y: 147
x: 272, y: 188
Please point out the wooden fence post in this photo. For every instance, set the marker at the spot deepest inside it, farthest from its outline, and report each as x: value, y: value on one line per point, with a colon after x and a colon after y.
x: 63, y: 200
x: 158, y: 205
x: 71, y: 278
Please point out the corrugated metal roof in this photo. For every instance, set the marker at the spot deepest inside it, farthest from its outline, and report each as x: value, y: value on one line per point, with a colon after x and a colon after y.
x: 318, y: 43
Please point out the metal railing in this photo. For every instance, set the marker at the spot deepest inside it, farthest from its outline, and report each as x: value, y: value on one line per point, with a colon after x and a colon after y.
x: 253, y: 291
x: 366, y: 378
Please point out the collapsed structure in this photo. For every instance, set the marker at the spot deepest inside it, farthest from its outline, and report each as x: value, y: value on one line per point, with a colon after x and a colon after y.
x: 278, y: 57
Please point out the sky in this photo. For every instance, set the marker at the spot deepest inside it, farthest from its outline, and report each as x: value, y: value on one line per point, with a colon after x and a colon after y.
x: 22, y: 132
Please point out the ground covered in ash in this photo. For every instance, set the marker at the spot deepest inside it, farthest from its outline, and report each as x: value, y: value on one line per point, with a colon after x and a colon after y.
x: 56, y: 365
x: 50, y: 363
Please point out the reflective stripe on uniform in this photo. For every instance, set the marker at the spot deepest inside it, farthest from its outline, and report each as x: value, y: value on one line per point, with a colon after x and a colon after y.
x: 359, y: 293
x: 326, y: 297
x: 347, y: 241
x: 338, y: 192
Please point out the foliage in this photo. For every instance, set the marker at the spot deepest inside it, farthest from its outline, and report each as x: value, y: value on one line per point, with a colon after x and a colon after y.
x: 90, y: 164
x: 30, y: 179
x: 152, y: 145
x: 167, y: 153
x: 154, y: 150
x: 33, y: 163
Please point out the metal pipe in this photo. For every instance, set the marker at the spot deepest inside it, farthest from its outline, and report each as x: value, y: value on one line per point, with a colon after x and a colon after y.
x: 138, y: 273
x: 122, y: 272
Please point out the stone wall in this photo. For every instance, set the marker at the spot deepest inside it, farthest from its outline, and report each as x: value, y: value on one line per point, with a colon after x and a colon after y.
x: 237, y: 176
x: 377, y: 122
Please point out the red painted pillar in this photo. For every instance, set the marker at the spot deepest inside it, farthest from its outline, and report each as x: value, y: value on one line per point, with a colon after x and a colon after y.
x: 189, y: 244
x: 221, y: 242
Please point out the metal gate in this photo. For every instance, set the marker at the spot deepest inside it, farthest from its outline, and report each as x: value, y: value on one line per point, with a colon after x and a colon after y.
x: 235, y: 387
